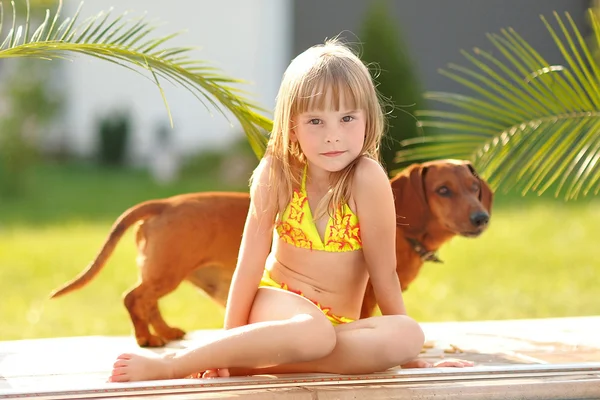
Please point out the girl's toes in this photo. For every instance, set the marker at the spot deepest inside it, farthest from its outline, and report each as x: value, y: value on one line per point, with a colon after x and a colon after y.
x: 118, y: 377
x: 120, y: 363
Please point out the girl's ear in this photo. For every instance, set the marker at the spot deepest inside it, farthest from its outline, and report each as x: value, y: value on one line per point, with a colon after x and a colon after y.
x: 293, y: 137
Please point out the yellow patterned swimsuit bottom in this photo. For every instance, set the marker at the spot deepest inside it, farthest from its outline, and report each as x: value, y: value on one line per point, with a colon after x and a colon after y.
x: 270, y: 282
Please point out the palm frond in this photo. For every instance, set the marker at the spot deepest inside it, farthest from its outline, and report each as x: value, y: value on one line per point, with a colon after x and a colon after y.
x: 128, y: 43
x: 530, y: 125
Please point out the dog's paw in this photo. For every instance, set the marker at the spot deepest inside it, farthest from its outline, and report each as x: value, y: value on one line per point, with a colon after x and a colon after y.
x: 150, y: 341
x: 172, y: 334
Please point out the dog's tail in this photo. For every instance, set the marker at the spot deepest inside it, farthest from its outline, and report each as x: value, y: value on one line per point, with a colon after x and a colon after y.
x: 136, y: 213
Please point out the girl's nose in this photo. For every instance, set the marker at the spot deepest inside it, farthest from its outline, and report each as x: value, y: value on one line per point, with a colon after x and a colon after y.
x: 332, y: 136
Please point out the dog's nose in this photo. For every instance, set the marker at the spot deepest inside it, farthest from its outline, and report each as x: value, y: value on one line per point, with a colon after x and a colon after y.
x: 480, y: 218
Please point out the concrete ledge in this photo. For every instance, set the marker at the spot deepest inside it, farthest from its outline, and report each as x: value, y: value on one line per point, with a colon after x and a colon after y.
x: 581, y: 381
x: 522, y: 359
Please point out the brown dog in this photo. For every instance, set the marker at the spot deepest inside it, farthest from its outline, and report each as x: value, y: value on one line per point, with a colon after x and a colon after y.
x: 197, y: 237
x: 435, y: 201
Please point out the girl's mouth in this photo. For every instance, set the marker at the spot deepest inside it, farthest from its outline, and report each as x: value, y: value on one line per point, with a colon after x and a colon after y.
x: 333, y: 153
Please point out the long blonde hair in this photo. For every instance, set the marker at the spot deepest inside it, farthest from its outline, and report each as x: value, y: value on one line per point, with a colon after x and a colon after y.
x: 333, y: 67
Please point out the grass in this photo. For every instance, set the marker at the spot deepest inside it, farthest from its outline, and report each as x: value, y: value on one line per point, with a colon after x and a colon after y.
x: 536, y: 260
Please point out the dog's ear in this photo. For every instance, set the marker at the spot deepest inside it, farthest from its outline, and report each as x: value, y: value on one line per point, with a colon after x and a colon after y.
x: 486, y: 196
x: 412, y: 210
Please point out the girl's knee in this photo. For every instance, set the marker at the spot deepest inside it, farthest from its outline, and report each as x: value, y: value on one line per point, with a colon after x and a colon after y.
x: 404, y: 339
x: 316, y: 339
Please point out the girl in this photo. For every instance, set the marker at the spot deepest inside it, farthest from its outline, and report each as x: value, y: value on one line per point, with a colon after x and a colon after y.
x: 321, y: 221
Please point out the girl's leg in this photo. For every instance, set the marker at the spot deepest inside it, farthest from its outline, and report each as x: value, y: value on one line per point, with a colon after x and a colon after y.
x: 291, y: 329
x: 364, y: 346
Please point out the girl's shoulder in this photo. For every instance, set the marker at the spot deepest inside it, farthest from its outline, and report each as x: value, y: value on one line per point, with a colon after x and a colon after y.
x: 262, y: 171
x: 370, y: 181
x: 372, y: 192
x: 368, y: 172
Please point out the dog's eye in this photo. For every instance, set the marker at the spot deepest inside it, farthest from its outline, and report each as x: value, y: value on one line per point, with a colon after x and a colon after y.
x: 475, y: 187
x: 443, y: 191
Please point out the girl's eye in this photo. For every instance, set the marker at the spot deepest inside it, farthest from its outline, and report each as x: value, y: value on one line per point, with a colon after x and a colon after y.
x: 314, y: 121
x: 347, y: 118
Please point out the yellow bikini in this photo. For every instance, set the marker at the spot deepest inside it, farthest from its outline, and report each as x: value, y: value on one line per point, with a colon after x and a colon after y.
x: 266, y: 280
x: 298, y: 228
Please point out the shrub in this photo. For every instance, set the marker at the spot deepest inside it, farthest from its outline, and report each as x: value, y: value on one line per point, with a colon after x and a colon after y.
x: 397, y: 81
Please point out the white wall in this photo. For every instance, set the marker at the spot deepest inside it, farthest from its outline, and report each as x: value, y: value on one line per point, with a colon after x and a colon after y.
x: 247, y: 39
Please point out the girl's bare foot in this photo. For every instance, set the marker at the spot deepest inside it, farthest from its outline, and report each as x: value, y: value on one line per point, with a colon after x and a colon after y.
x: 451, y: 362
x: 135, y: 367
x: 454, y: 362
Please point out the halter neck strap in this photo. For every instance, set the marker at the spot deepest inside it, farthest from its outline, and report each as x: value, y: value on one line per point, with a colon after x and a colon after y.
x: 303, y: 188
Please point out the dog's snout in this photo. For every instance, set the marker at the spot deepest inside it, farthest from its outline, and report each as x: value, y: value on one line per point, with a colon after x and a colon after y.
x: 480, y: 218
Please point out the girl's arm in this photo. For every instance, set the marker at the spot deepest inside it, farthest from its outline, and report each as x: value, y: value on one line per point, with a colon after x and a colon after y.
x: 376, y: 213
x: 254, y: 249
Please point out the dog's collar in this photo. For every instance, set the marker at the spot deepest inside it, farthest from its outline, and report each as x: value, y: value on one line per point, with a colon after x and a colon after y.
x: 423, y: 252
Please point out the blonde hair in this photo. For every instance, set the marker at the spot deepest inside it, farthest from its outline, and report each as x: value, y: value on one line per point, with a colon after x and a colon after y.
x: 333, y: 67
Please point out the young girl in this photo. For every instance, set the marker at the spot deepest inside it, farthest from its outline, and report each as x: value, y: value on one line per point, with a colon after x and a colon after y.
x: 321, y: 222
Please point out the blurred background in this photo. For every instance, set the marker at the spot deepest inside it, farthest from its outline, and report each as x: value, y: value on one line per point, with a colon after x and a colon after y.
x: 81, y: 140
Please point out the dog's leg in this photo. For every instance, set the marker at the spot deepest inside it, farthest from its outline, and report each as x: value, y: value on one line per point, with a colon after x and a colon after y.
x: 139, y: 309
x: 160, y: 274
x: 142, y: 304
x: 161, y: 327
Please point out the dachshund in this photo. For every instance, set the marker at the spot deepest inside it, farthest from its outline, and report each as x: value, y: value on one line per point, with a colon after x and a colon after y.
x: 196, y: 237
x: 435, y: 201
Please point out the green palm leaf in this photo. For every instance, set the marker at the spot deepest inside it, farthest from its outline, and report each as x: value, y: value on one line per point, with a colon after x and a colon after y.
x: 529, y: 125
x: 129, y: 43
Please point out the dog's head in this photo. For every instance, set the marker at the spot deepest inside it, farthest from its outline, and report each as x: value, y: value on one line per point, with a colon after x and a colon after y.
x: 447, y: 193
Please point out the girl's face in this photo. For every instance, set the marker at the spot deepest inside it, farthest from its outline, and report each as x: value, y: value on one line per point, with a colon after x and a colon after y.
x: 330, y: 139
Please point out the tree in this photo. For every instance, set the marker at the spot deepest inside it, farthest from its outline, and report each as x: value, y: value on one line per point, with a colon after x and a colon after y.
x: 529, y: 125
x: 397, y: 81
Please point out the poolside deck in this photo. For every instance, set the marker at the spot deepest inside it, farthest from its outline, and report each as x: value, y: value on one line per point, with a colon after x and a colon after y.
x: 524, y: 359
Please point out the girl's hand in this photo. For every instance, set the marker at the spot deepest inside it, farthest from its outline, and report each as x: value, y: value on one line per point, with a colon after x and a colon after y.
x: 210, y: 373
x: 450, y: 362
x: 216, y: 373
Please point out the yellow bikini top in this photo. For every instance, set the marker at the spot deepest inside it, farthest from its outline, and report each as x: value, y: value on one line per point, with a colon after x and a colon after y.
x: 298, y: 228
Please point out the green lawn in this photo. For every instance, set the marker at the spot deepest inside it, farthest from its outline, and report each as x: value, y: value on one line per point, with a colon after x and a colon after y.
x: 538, y: 259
